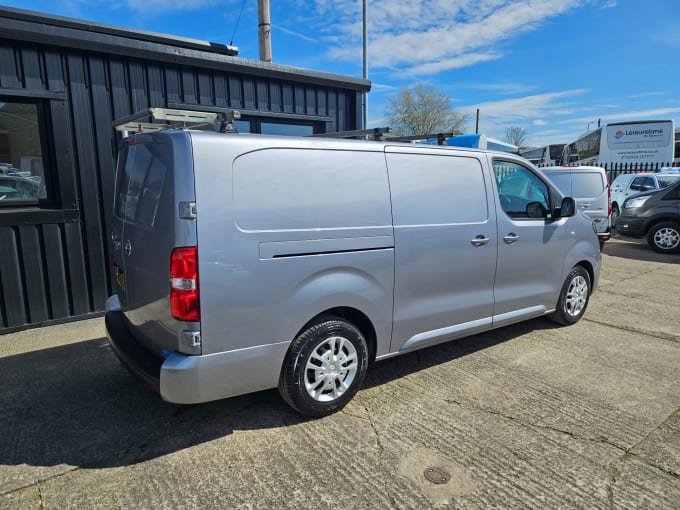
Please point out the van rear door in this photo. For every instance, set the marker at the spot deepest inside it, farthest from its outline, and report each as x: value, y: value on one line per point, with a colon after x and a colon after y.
x: 589, y: 189
x: 143, y: 228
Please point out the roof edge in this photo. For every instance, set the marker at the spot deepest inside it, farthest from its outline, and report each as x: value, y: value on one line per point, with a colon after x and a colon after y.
x: 55, y: 30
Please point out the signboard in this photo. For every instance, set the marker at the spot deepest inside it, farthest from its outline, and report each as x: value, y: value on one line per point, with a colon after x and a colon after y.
x: 639, y: 142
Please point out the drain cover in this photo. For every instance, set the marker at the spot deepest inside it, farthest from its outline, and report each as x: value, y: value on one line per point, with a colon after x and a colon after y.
x: 437, y: 475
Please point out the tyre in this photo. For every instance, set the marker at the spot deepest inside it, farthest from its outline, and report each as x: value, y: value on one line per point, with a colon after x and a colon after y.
x: 573, y: 299
x: 615, y: 214
x: 324, y: 368
x: 664, y: 237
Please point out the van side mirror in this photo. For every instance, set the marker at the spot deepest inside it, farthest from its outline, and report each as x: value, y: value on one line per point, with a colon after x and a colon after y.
x: 567, y: 208
x: 536, y: 210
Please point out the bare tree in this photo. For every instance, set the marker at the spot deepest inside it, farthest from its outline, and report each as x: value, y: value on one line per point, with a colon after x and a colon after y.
x: 423, y: 110
x: 516, y: 135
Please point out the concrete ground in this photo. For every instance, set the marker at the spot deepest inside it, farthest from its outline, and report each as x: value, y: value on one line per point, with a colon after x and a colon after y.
x: 530, y: 416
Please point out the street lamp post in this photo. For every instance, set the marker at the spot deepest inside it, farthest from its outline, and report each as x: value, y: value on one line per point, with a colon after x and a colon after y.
x: 365, y: 10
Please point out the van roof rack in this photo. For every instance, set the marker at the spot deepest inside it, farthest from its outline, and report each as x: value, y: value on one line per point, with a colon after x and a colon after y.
x: 377, y: 133
x: 146, y: 121
x: 440, y: 137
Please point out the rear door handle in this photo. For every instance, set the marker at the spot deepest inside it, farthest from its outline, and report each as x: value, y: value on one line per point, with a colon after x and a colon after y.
x: 480, y: 240
x: 585, y: 206
x: 510, y: 238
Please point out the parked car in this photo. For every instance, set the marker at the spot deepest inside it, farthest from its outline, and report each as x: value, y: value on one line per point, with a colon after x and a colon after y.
x: 246, y: 262
x: 625, y: 185
x: 589, y: 187
x: 654, y: 215
x: 17, y: 188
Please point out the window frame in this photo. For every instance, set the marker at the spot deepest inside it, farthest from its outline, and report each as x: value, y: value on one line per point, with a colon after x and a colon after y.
x: 49, y: 181
x: 537, y: 176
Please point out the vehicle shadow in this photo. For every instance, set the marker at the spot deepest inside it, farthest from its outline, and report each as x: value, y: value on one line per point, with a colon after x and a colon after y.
x: 77, y: 405
x: 636, y: 249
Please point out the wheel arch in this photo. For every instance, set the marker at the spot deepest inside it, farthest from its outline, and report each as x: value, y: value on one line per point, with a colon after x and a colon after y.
x: 585, y: 264
x: 360, y: 320
x: 652, y: 222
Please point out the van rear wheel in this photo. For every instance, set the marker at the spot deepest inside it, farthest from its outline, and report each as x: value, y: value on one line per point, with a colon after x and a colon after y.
x: 573, y: 299
x: 324, y: 368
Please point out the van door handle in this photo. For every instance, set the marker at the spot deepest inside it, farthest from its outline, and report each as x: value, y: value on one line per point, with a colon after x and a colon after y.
x: 510, y: 238
x: 585, y: 206
x: 128, y: 247
x: 480, y: 240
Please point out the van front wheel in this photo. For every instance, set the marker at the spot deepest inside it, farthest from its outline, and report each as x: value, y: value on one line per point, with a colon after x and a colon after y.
x: 664, y: 237
x: 324, y: 368
x: 573, y: 299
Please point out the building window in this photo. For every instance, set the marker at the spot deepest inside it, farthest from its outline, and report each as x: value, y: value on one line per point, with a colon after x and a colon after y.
x: 288, y: 129
x: 242, y: 126
x: 22, y: 172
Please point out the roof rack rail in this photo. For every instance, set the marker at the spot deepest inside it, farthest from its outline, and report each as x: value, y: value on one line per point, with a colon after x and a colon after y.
x: 375, y: 133
x: 144, y: 120
x: 440, y: 137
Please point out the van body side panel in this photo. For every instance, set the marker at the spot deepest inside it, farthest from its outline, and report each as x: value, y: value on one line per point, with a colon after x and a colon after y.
x: 445, y: 246
x: 287, y: 231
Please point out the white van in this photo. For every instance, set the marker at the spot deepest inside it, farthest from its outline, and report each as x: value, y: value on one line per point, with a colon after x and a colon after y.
x: 626, y: 185
x: 590, y: 188
x: 247, y: 262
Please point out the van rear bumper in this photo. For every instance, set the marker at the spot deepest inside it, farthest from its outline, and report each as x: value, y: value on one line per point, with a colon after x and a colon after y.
x: 187, y: 379
x: 138, y: 360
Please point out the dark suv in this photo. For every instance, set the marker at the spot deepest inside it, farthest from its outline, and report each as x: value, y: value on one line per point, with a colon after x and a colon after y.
x: 654, y: 215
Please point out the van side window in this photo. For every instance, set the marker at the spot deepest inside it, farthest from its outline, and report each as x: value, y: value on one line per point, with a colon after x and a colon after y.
x: 140, y: 183
x: 587, y: 184
x: 517, y: 187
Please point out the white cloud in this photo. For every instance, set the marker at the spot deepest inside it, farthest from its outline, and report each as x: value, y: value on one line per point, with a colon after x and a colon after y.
x: 658, y: 113
x: 295, y: 34
x: 539, y: 122
x: 504, y: 89
x: 523, y: 108
x: 158, y: 6
x: 452, y: 63
x: 438, y: 34
x: 646, y: 94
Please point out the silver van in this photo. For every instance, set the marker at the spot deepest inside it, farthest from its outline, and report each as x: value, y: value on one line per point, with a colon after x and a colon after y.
x: 590, y: 188
x: 246, y: 262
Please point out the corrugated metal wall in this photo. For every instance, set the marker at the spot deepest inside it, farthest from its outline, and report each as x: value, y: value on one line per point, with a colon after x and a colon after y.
x: 54, y: 263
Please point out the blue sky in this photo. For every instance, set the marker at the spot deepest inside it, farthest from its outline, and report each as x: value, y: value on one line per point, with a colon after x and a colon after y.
x: 553, y: 67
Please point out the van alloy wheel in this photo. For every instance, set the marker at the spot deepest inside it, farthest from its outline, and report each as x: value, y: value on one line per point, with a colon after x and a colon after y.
x: 577, y: 296
x: 324, y: 368
x: 331, y: 369
x: 573, y: 299
x: 664, y: 237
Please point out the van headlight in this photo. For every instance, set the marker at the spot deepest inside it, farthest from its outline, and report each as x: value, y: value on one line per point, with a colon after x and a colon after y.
x: 631, y: 203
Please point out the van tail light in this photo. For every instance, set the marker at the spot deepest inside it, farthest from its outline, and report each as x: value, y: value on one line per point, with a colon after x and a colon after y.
x: 184, y: 296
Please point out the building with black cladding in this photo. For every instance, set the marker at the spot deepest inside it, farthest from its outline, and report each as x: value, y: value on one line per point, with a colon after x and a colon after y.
x: 63, y: 84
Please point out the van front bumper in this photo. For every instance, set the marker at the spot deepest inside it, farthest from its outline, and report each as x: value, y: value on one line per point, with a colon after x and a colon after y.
x: 630, y: 226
